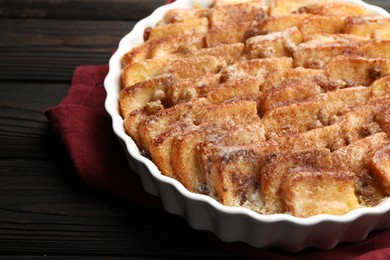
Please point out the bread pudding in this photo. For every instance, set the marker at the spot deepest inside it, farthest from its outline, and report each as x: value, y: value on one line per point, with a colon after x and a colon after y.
x: 278, y: 106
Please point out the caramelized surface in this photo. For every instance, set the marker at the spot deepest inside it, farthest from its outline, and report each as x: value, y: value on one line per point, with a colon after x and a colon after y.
x: 286, y: 111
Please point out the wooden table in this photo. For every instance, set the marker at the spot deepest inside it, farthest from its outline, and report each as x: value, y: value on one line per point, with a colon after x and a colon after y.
x: 45, y: 209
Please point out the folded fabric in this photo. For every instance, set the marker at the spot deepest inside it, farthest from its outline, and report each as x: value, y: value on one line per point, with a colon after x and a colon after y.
x: 84, y: 128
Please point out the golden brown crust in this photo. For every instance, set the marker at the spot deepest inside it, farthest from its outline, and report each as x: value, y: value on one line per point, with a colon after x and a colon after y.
x: 311, y: 193
x: 380, y: 166
x: 276, y: 166
x: 335, y: 9
x: 280, y: 108
x: 373, y: 27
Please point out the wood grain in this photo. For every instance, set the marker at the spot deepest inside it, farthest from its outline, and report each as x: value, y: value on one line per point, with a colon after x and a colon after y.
x: 45, y: 208
x: 79, y: 9
x: 24, y: 130
x: 49, y: 50
x: 385, y: 4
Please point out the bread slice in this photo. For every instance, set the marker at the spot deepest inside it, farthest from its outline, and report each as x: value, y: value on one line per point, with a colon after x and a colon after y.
x: 335, y: 9
x: 290, y: 93
x: 381, y: 35
x: 184, y: 156
x: 347, y: 97
x: 375, y: 49
x: 295, y: 118
x: 379, y: 165
x: 159, y: 48
x: 158, y: 131
x: 304, y: 116
x: 222, y: 16
x: 304, y: 85
x: 231, y: 172
x: 232, y: 2
x: 228, y: 53
x: 352, y: 157
x: 228, y: 34
x: 355, y: 157
x: 208, y: 150
x: 236, y: 111
x: 181, y: 46
x: 383, y: 119
x: 358, y: 123
x: 381, y: 87
x: 319, y: 49
x: 286, y: 7
x: 275, y: 168
x: 131, y: 123
x: 182, y: 68
x: 181, y: 15
x: 355, y: 124
x: 276, y: 44
x: 321, y: 24
x: 286, y: 76
x: 153, y: 125
x: 259, y: 68
x: 159, y: 147
x: 190, y: 27
x: 280, y: 23
x: 240, y: 88
x: 308, y: 193
x: 167, y: 91
x: 373, y: 27
x: 189, y: 88
x: 139, y: 95
x: 356, y: 71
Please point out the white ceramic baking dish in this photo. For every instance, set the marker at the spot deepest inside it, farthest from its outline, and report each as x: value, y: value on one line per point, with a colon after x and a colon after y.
x: 234, y: 223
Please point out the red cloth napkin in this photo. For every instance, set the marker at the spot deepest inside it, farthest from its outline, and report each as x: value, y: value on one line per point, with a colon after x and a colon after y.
x: 84, y: 128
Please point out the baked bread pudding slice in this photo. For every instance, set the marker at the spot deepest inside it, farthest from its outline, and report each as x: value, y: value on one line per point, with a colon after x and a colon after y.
x: 278, y: 106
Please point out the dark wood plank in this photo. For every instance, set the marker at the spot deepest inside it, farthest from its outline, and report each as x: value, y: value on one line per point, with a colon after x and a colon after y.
x: 44, y: 256
x: 46, y: 209
x: 24, y: 130
x: 79, y: 9
x: 385, y: 4
x: 49, y: 50
x: 97, y: 9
